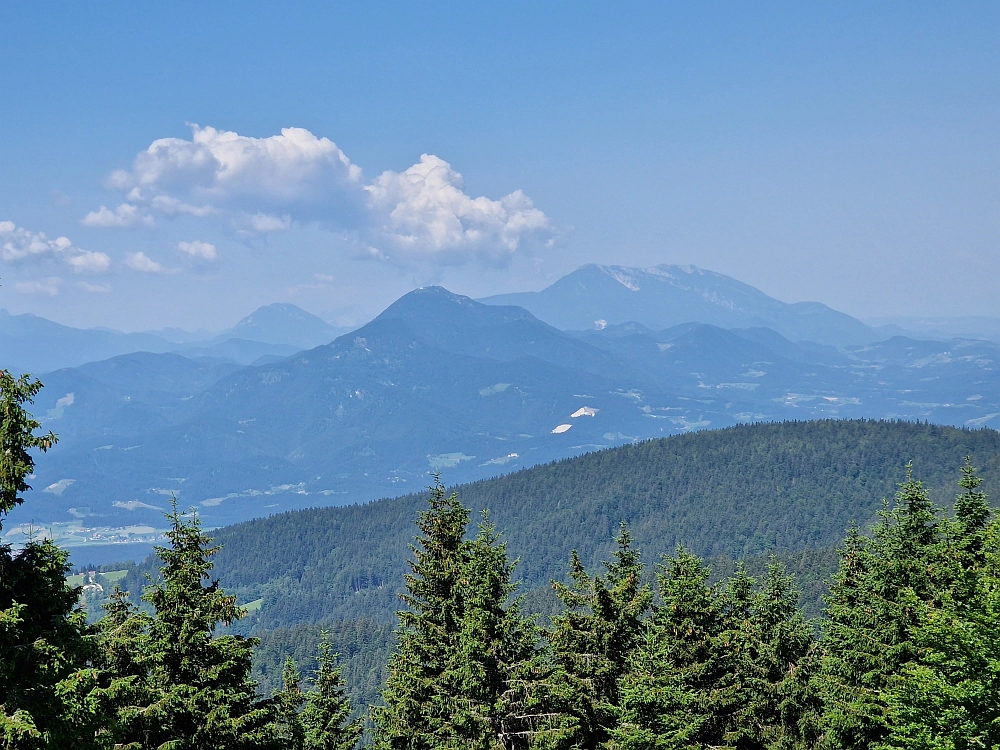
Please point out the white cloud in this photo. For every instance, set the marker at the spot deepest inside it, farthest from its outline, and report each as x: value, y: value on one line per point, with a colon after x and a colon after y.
x: 219, y: 169
x: 126, y: 215
x: 49, y: 286
x: 144, y: 264
x: 94, y: 288
x: 263, y: 223
x: 198, y: 249
x: 21, y: 245
x: 171, y: 206
x: 87, y: 261
x: 266, y: 184
x: 424, y: 210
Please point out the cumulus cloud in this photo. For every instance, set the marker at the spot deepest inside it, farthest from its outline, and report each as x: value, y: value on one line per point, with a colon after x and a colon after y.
x: 266, y: 184
x: 88, y: 261
x: 198, y: 249
x: 218, y: 170
x: 49, y: 286
x: 144, y: 264
x: 20, y: 245
x: 424, y: 209
x: 126, y: 215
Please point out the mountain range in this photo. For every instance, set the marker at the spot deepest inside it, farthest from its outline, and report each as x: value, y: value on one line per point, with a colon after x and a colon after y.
x: 29, y: 343
x: 664, y: 296
x: 440, y: 382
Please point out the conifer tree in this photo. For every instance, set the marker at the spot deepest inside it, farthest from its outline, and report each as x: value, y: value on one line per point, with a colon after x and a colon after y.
x: 777, y: 709
x: 670, y: 695
x: 418, y: 710
x: 592, y: 639
x: 196, y: 692
x: 967, y: 536
x: 497, y: 670
x: 739, y: 695
x: 49, y: 694
x: 949, y: 695
x: 871, y: 616
x: 289, y: 730
x: 17, y: 437
x: 325, y: 718
x: 47, y: 687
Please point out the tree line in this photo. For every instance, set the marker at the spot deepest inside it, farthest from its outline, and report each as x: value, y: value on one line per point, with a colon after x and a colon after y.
x: 906, y: 655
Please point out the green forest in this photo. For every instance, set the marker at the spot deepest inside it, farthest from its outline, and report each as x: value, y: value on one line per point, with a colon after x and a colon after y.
x: 742, y: 493
x: 633, y: 627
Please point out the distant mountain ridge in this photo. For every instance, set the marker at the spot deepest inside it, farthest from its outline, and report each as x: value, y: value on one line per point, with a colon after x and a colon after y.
x: 374, y: 410
x: 440, y: 382
x: 29, y: 343
x: 34, y: 344
x: 668, y: 295
x: 282, y: 323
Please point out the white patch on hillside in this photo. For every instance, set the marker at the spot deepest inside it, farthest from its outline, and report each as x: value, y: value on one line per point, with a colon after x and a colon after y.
x: 57, y: 488
x: 135, y: 505
x: 584, y: 411
x: 493, y: 389
x: 561, y: 429
x: 981, y: 421
x: 60, y: 407
x: 501, y: 460
x: 447, y: 460
x: 626, y: 280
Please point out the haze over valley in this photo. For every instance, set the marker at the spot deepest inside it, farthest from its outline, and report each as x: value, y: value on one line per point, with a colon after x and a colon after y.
x: 280, y: 412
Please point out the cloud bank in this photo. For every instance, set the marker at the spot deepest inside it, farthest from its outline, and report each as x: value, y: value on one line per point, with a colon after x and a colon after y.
x: 262, y: 185
x: 19, y: 245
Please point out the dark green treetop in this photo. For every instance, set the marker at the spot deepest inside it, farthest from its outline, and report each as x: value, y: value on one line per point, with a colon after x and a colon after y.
x: 948, y: 695
x: 497, y: 672
x: 288, y: 701
x: 670, y: 697
x: 592, y: 639
x: 196, y: 691
x: 417, y: 710
x: 870, y: 616
x: 325, y: 718
x: 17, y: 438
x: 49, y: 696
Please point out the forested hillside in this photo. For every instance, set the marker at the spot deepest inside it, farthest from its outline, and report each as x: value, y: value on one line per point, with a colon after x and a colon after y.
x: 904, y: 654
x: 792, y: 488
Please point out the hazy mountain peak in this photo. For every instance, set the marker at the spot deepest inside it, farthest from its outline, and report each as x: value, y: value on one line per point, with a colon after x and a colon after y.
x: 439, y: 306
x: 426, y: 296
x: 284, y: 323
x: 667, y: 295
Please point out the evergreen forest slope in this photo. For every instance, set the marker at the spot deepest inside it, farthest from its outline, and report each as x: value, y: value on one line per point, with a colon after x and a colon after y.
x: 789, y: 488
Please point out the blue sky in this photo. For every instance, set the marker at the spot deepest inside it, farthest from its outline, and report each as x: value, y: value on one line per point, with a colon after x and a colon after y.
x: 839, y: 152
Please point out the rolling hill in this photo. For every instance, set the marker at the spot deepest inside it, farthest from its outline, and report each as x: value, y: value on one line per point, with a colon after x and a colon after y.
x: 743, y: 492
